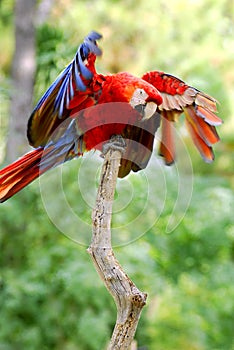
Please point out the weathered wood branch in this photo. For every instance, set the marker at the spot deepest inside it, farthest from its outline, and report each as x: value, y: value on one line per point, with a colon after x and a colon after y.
x: 128, y: 298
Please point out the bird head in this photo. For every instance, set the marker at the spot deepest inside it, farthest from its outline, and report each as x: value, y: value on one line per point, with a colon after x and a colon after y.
x: 143, y: 97
x: 140, y: 102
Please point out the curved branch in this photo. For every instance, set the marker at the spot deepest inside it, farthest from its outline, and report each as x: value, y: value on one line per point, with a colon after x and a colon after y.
x: 128, y: 298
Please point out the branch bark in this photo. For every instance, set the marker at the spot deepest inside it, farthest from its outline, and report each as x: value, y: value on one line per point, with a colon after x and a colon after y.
x: 128, y: 298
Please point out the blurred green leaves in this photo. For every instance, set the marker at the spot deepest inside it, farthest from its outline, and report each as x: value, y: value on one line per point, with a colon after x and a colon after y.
x: 50, y: 295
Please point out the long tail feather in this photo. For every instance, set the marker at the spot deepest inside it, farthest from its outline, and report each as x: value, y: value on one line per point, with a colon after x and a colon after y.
x: 66, y: 143
x: 19, y: 174
x: 24, y: 170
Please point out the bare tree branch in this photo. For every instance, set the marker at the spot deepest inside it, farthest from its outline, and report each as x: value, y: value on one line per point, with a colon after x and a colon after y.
x: 128, y: 299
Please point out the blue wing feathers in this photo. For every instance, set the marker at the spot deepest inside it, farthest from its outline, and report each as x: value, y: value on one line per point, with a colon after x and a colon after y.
x: 73, y: 72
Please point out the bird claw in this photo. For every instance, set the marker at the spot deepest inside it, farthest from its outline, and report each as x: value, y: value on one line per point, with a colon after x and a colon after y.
x: 116, y: 143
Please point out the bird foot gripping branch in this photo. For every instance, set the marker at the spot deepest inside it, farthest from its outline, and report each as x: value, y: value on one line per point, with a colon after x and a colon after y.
x: 77, y: 93
x: 116, y: 142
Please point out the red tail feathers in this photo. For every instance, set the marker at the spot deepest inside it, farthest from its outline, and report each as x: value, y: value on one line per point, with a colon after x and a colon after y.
x: 19, y: 174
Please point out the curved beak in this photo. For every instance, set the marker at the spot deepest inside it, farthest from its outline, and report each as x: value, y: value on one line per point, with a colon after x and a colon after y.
x: 147, y: 110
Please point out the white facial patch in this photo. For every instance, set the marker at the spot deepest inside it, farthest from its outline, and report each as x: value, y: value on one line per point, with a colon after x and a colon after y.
x: 138, y: 98
x: 138, y: 101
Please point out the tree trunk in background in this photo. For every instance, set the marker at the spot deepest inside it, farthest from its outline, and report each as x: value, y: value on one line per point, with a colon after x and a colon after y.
x: 43, y: 11
x: 28, y: 13
x: 22, y: 78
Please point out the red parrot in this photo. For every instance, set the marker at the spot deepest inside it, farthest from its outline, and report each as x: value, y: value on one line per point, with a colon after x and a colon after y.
x: 82, y: 110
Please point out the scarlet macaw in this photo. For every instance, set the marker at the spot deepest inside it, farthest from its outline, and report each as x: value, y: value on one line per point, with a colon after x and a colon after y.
x: 86, y: 109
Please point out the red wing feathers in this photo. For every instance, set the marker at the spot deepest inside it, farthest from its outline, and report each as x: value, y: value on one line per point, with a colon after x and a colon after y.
x: 199, y: 110
x: 167, y: 144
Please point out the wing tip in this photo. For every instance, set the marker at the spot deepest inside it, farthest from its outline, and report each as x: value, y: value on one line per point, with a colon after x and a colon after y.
x: 94, y: 35
x: 77, y: 71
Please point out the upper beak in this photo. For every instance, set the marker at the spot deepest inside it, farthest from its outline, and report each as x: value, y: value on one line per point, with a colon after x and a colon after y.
x: 146, y: 110
x: 149, y: 110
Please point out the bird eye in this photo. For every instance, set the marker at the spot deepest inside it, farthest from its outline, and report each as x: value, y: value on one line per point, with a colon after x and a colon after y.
x: 139, y: 97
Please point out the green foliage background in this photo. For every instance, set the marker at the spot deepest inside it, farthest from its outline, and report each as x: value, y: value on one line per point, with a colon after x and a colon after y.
x: 50, y: 295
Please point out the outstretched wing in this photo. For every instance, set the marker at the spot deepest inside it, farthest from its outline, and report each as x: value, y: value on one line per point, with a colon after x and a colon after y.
x: 199, y: 109
x: 71, y: 90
